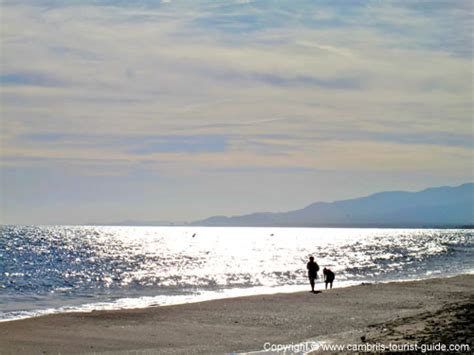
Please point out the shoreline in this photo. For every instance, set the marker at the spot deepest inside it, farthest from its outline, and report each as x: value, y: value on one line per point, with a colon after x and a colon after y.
x: 241, y: 324
x: 247, y: 292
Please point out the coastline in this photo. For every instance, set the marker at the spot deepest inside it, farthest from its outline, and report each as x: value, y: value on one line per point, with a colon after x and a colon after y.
x: 152, y: 302
x: 241, y: 324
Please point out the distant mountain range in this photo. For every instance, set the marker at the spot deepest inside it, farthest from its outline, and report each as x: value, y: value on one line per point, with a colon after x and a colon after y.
x: 433, y: 207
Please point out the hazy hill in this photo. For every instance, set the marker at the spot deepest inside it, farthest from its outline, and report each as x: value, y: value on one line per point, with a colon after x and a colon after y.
x: 433, y: 207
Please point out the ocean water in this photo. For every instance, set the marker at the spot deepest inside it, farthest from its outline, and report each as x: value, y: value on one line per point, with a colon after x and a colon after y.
x: 80, y: 268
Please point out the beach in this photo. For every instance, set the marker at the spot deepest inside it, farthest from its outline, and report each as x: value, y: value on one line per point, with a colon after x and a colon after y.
x: 396, y: 311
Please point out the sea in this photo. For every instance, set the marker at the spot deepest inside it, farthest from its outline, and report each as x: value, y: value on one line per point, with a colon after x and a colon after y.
x: 53, y: 269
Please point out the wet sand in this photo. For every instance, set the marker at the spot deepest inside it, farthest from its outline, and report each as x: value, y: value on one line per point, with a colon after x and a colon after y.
x: 416, y: 310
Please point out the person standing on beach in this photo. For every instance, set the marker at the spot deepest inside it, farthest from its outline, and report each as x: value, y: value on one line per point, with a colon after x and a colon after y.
x: 328, y: 277
x: 313, y: 269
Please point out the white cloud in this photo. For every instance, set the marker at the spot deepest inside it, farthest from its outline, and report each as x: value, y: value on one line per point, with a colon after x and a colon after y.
x: 172, y: 70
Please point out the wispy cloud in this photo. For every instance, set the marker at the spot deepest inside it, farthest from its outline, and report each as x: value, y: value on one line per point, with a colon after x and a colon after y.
x: 364, y: 87
x: 184, y: 144
x: 308, y: 81
x: 30, y: 79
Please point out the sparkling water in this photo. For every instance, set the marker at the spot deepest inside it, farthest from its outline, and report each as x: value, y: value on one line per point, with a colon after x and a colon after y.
x: 80, y: 268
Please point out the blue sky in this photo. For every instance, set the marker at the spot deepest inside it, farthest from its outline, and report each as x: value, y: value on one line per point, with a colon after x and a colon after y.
x: 177, y: 110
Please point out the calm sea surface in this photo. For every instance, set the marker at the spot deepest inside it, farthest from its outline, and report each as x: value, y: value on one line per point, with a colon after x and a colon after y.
x: 58, y: 269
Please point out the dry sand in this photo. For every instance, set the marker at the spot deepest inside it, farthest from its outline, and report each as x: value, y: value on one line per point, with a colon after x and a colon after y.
x: 429, y: 310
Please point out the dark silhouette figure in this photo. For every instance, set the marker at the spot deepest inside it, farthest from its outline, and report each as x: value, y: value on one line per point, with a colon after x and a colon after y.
x: 328, y: 277
x: 313, y: 269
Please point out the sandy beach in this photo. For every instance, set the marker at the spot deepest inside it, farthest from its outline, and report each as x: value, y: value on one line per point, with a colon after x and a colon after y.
x: 435, y: 310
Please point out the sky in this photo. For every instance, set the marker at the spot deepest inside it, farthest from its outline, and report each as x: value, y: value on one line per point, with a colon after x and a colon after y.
x: 115, y: 110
